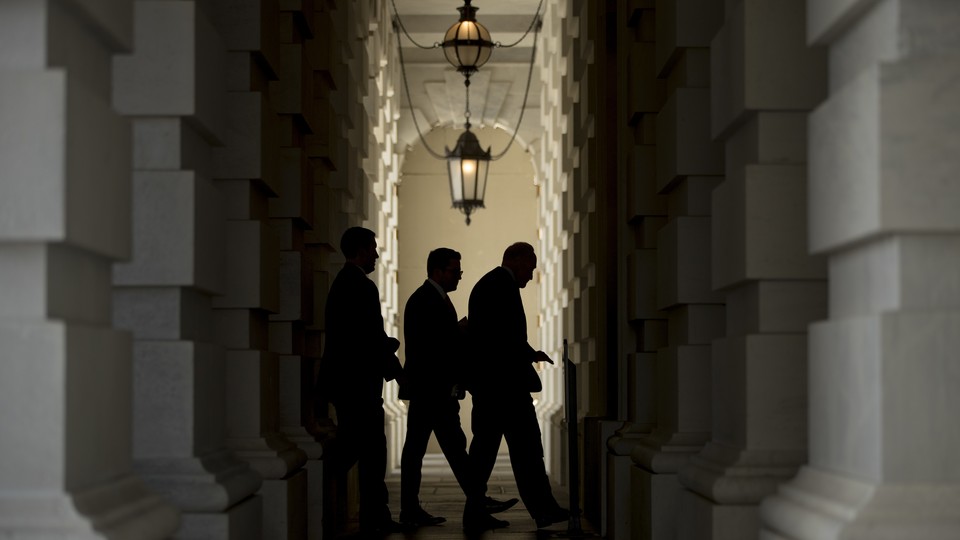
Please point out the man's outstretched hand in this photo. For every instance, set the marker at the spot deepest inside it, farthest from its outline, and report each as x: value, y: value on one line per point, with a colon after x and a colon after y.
x: 542, y: 357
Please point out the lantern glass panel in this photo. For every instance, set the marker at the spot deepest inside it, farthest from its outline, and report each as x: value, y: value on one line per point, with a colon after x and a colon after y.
x: 456, y: 181
x: 469, y: 169
x: 482, y: 170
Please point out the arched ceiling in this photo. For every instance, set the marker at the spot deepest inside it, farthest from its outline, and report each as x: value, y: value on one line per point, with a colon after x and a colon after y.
x: 496, y: 91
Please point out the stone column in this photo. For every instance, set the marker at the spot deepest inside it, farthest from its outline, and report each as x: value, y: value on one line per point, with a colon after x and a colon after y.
x: 379, y: 102
x: 885, y: 210
x: 764, y: 79
x: 292, y: 214
x: 588, y: 214
x: 688, y: 167
x: 248, y: 170
x: 172, y: 88
x: 330, y: 220
x: 551, y: 251
x: 65, y: 374
x: 577, y: 179
x: 644, y: 212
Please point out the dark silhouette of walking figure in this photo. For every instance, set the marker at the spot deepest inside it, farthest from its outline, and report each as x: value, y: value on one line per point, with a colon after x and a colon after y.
x: 433, y: 377
x: 502, y: 379
x: 357, y: 358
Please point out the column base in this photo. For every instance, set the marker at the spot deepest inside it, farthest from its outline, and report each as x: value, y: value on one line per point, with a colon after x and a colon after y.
x: 654, y: 482
x: 620, y: 446
x: 316, y: 500
x: 272, y: 455
x: 241, y: 522
x: 822, y: 505
x: 617, y: 524
x: 655, y: 504
x: 210, y: 484
x: 285, y: 507
x: 724, y: 486
x: 736, y: 476
x: 705, y: 520
x: 315, y: 480
x: 667, y: 454
x: 121, y: 510
x: 303, y: 440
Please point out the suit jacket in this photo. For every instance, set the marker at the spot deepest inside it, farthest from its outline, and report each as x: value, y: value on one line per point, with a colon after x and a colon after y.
x: 433, y: 344
x: 502, y: 358
x: 358, y: 354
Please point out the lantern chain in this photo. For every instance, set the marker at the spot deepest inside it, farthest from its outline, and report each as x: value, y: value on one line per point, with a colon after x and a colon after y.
x: 536, y: 17
x: 406, y: 87
x: 536, y: 24
x: 396, y: 17
x: 466, y: 113
x: 526, y: 93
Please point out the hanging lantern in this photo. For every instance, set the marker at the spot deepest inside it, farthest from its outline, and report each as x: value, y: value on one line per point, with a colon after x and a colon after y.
x: 467, y: 44
x: 467, y: 165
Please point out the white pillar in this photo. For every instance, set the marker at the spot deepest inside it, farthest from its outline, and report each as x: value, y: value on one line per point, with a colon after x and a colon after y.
x: 764, y: 79
x: 65, y: 373
x: 172, y: 86
x: 885, y: 210
x: 552, y: 178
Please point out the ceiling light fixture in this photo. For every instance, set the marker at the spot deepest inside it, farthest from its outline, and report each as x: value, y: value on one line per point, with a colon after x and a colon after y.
x: 467, y: 167
x: 467, y: 46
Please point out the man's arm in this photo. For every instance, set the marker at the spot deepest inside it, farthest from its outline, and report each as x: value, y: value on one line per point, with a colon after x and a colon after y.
x: 541, y: 356
x: 369, y: 338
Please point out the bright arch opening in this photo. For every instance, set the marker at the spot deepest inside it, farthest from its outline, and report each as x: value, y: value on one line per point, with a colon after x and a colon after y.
x: 427, y: 220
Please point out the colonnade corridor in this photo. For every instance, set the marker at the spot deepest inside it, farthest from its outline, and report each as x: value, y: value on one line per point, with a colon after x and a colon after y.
x: 440, y: 495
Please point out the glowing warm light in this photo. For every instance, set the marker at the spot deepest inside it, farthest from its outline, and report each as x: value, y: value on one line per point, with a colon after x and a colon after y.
x: 468, y: 30
x: 467, y: 44
x: 467, y: 165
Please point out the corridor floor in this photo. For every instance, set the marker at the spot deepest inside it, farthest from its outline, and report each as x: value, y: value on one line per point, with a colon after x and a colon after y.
x: 441, y: 496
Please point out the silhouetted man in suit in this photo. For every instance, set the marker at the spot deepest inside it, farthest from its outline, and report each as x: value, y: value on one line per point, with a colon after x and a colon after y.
x: 502, y: 379
x: 433, y: 374
x: 358, y: 357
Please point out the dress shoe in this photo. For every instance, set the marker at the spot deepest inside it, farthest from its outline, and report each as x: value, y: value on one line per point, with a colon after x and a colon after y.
x: 553, y: 516
x: 494, y: 506
x: 478, y: 522
x: 419, y: 518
